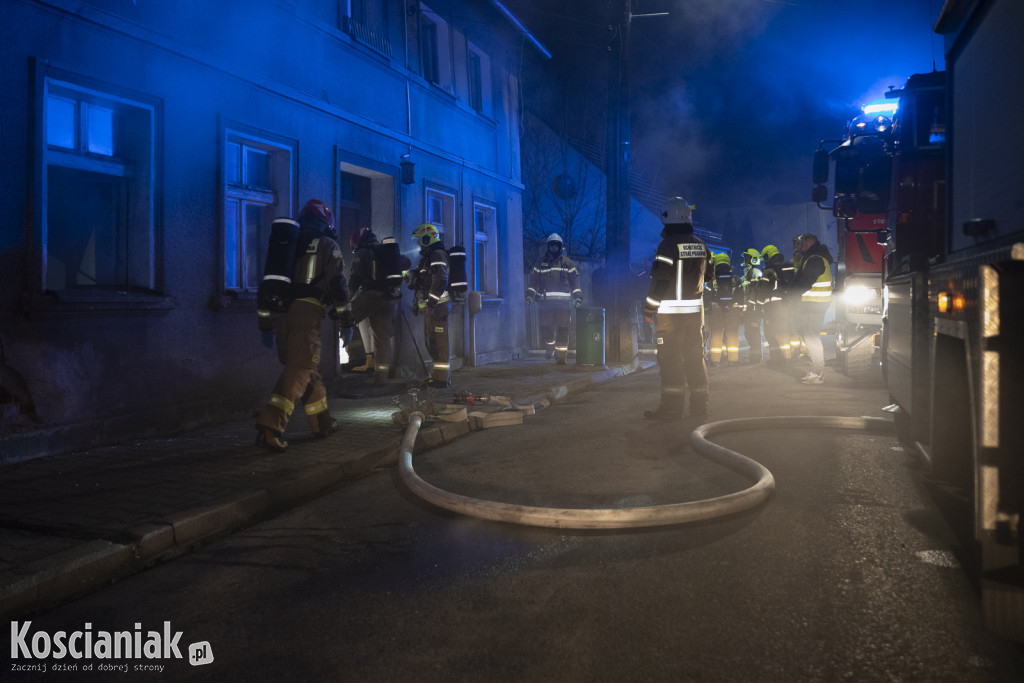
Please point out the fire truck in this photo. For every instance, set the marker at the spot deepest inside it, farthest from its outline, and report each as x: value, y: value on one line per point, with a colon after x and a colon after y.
x: 862, y: 165
x: 952, y: 341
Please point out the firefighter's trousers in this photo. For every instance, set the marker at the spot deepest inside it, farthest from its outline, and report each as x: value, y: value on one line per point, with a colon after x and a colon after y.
x: 379, y: 309
x: 751, y: 319
x: 680, y: 339
x: 553, y: 321
x: 298, y: 349
x: 777, y: 330
x: 724, y: 327
x: 435, y: 333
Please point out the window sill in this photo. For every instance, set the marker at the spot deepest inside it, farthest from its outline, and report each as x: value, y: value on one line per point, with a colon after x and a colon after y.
x: 96, y: 303
x: 233, y: 301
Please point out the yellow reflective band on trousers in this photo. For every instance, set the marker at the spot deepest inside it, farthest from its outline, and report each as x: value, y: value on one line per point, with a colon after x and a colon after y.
x: 282, y: 403
x: 316, y: 407
x: 441, y: 366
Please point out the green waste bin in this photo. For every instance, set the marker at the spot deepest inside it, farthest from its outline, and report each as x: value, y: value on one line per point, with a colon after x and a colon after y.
x: 590, y: 336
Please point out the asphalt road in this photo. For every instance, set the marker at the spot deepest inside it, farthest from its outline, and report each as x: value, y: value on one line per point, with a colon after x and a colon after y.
x: 846, y: 573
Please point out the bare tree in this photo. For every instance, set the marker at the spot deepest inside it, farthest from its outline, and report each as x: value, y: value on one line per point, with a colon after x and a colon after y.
x: 564, y: 191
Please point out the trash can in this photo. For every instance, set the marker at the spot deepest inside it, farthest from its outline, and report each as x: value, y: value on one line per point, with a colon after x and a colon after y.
x: 590, y: 336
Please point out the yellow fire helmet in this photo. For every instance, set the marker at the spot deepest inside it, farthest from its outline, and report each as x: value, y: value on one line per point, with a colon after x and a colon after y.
x: 426, y: 234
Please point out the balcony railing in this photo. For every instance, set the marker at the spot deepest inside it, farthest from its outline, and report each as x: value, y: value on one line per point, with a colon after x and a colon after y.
x: 367, y: 37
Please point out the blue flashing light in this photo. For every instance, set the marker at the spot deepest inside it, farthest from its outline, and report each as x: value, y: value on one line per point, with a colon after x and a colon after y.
x: 888, y: 108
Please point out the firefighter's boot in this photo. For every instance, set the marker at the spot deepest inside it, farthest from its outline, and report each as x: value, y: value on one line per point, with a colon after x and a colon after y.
x: 270, y: 439
x: 671, y: 408
x: 367, y: 365
x: 326, y: 425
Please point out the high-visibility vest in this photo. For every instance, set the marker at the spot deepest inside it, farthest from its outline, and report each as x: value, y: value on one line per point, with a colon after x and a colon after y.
x: 821, y: 291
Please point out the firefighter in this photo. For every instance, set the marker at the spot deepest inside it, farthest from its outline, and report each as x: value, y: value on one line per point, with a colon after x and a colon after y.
x: 752, y: 283
x: 432, y: 301
x: 813, y: 280
x: 796, y: 344
x: 682, y: 265
x: 317, y: 284
x: 776, y: 310
x: 372, y: 285
x: 724, y: 320
x: 555, y: 288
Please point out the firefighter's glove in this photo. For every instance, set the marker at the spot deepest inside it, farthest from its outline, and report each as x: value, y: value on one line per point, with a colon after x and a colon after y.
x: 529, y: 299
x: 576, y: 303
x: 268, y: 338
x: 420, y: 307
x: 346, y: 320
x: 649, y: 319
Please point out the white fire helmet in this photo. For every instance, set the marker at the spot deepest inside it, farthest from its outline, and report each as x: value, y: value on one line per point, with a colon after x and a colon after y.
x: 555, y: 237
x: 677, y: 210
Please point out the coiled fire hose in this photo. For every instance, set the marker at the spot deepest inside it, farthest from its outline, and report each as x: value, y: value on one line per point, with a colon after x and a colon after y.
x: 637, y: 517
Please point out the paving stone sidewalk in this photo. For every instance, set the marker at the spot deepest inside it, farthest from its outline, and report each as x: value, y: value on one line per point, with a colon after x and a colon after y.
x: 72, y: 523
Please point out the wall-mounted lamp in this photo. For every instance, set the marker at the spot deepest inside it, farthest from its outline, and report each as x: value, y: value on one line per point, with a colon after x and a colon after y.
x: 408, y: 171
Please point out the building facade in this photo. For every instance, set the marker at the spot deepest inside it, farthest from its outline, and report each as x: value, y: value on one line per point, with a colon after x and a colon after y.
x: 147, y: 147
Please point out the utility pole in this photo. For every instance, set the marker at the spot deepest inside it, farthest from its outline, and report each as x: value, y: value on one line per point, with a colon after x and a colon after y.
x: 621, y: 334
x: 621, y: 343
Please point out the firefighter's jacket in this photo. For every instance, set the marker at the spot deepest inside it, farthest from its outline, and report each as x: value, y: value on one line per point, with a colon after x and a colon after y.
x: 682, y: 264
x: 430, y: 281
x: 555, y: 278
x: 318, y: 277
x: 814, y: 275
x: 778, y: 275
x: 754, y: 287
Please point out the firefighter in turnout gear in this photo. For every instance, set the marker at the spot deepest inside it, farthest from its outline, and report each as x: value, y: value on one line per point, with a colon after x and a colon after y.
x: 776, y: 310
x: 792, y: 298
x: 317, y: 285
x: 724, y: 320
x: 752, y: 283
x: 814, y: 283
x: 682, y: 264
x: 555, y: 288
x: 374, y: 303
x: 432, y: 301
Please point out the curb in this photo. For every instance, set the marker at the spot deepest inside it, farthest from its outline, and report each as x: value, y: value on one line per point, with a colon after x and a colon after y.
x: 78, y: 571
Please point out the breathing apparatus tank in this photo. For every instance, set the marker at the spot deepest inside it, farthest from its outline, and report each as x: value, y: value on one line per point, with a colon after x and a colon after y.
x: 274, y: 293
x: 457, y: 279
x: 387, y: 266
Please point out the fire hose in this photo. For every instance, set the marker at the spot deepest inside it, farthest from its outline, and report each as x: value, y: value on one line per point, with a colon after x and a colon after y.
x: 637, y: 517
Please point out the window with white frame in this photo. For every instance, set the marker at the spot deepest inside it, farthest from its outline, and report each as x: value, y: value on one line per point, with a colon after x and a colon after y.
x: 98, y: 185
x: 440, y: 211
x: 430, y: 52
x: 486, y: 273
x: 478, y: 68
x: 257, y: 189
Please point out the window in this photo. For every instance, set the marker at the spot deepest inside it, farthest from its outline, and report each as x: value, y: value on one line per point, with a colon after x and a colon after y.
x: 441, y: 211
x: 367, y: 22
x: 98, y: 183
x: 430, y: 52
x: 478, y: 68
x: 486, y: 274
x: 257, y: 189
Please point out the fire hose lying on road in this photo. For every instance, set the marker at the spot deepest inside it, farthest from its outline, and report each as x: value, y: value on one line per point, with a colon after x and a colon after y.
x: 637, y: 517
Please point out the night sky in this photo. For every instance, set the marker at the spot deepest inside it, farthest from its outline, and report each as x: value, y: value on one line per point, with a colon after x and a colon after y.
x: 730, y: 97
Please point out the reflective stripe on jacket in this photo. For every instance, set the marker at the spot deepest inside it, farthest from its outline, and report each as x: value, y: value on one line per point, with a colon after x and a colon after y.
x: 555, y: 280
x: 682, y: 264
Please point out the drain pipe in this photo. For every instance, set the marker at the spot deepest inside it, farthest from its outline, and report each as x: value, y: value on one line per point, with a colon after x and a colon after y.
x: 637, y: 517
